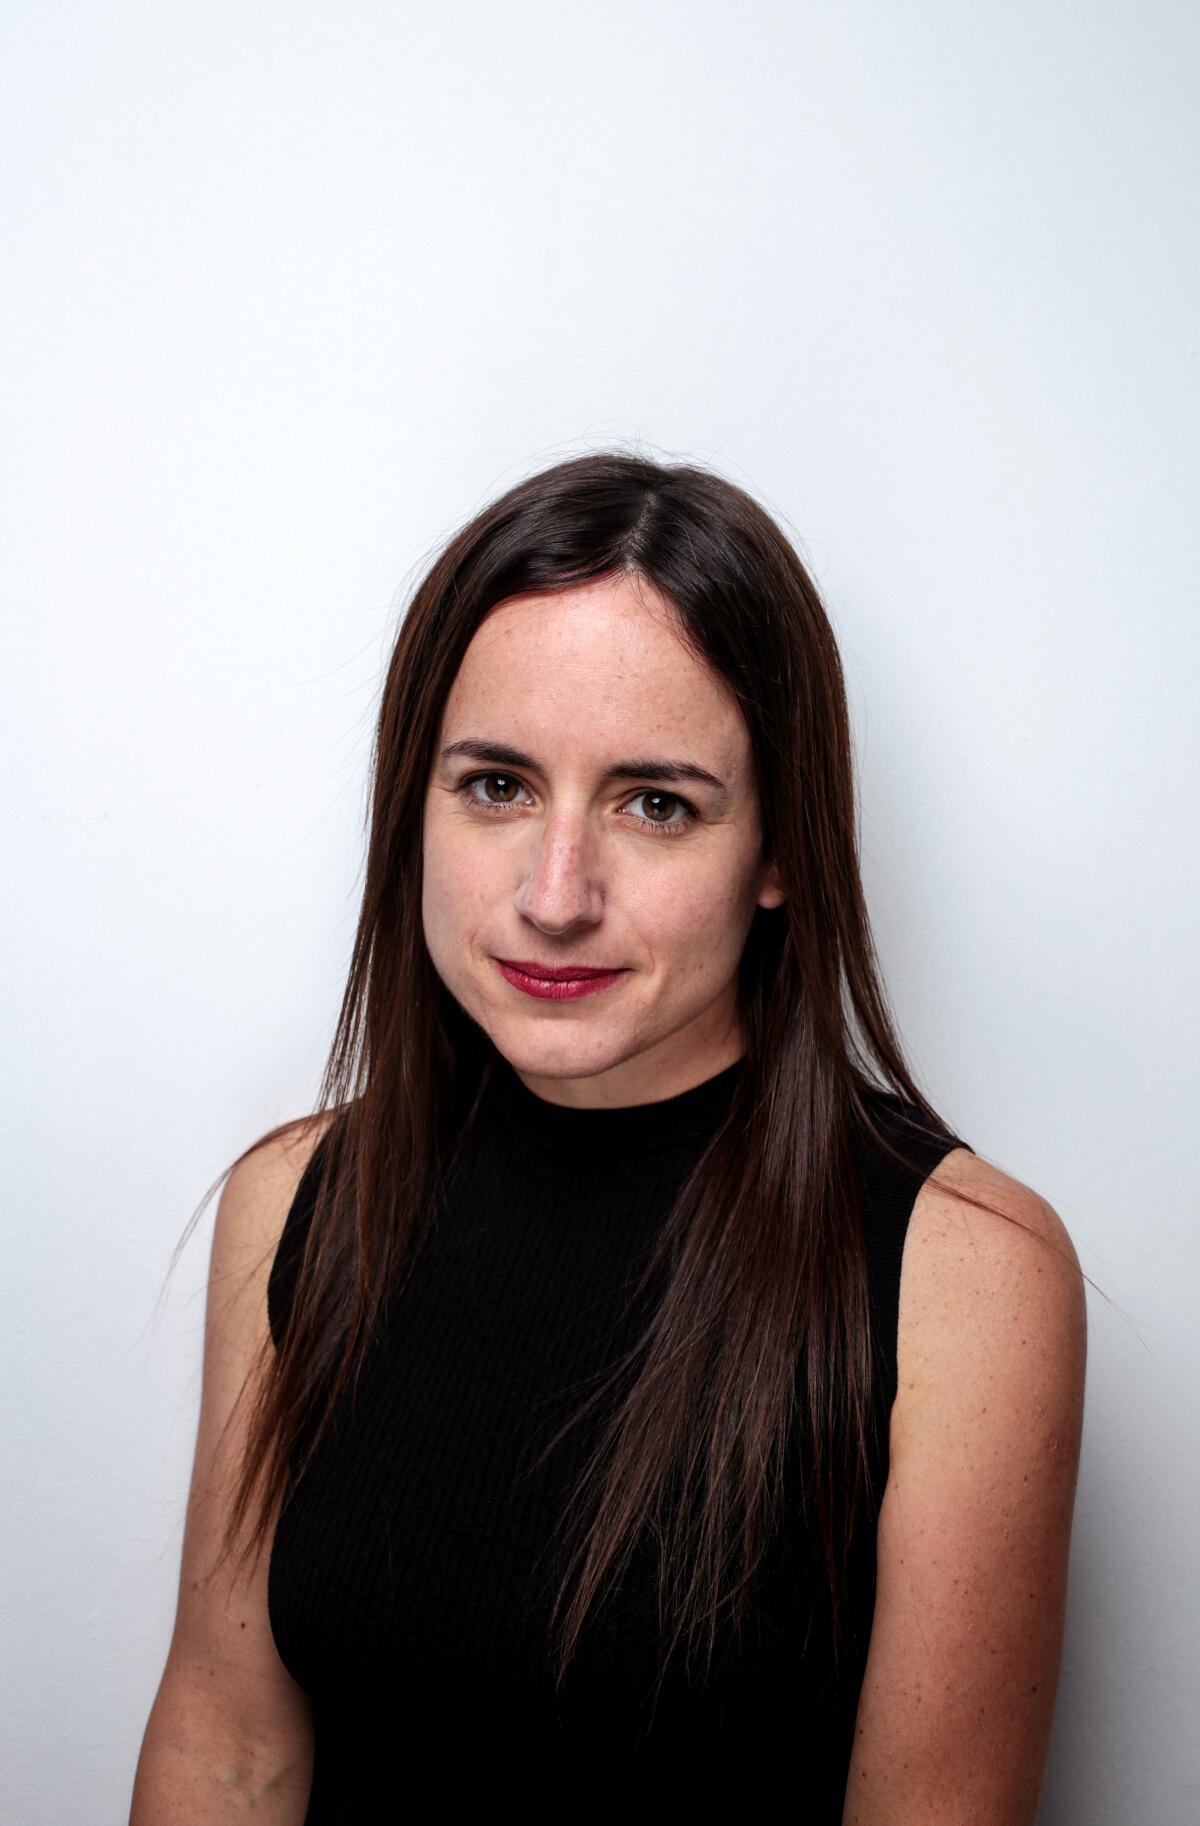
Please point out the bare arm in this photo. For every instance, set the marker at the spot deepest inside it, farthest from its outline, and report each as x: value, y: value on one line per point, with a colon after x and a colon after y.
x: 229, y: 1730
x: 958, y: 1696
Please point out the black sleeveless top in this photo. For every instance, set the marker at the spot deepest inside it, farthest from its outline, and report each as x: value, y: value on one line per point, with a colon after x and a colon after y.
x: 409, y: 1588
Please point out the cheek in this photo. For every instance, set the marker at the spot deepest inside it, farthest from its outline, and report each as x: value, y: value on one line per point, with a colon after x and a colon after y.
x: 454, y: 884
x: 444, y: 856
x: 703, y: 917
x: 441, y: 900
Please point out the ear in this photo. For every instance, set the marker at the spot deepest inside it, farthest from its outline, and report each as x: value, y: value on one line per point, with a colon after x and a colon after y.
x: 771, y: 892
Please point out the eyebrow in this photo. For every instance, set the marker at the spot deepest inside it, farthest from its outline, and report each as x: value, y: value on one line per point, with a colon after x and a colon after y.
x: 654, y: 767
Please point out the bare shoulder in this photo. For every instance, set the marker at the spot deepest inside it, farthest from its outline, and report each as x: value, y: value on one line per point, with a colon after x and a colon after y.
x: 261, y: 1185
x: 977, y: 1280
x: 253, y: 1207
x: 963, y: 1172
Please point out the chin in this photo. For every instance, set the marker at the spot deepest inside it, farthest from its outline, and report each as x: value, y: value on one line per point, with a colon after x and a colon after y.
x: 557, y: 1055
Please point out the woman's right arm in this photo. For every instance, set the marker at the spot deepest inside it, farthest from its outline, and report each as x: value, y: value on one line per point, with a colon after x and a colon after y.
x: 229, y: 1728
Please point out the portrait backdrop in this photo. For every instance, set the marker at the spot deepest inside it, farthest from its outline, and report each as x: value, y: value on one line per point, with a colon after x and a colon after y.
x: 290, y: 292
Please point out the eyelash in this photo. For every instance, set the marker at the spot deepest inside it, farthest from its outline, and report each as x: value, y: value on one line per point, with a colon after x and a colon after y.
x: 658, y: 830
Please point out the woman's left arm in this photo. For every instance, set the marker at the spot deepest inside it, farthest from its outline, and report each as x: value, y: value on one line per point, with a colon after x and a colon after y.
x: 974, y: 1531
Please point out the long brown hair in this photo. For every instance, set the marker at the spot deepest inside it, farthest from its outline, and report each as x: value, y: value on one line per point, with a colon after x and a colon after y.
x: 765, y: 1318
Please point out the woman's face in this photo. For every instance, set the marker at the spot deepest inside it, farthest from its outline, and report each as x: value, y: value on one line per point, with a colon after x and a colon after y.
x: 567, y: 834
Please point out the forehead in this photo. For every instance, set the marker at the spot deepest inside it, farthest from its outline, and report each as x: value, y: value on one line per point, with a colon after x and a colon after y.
x: 591, y: 668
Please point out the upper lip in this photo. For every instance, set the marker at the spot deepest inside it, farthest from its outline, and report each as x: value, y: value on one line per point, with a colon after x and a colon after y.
x: 555, y: 973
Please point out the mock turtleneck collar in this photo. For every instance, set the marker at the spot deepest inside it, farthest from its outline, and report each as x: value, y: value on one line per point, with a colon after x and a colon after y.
x: 619, y: 1129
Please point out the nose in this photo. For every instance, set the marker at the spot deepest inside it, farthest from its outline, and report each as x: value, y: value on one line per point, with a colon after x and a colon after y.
x: 562, y: 887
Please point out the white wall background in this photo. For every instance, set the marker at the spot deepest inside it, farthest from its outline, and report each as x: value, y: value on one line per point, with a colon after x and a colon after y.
x: 290, y: 291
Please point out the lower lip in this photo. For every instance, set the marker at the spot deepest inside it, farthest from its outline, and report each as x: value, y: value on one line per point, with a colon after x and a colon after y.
x: 558, y: 992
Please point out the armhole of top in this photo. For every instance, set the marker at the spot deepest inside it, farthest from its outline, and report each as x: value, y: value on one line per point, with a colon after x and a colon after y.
x: 285, y: 1269
x: 890, y: 1193
x: 908, y: 1130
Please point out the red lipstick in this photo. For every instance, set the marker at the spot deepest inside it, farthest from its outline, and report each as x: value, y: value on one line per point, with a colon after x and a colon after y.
x: 555, y: 982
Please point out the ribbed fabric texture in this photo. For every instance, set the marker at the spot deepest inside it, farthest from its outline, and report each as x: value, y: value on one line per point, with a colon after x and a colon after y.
x: 411, y: 1573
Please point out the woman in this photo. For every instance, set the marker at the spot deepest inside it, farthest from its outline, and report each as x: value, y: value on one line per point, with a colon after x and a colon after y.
x: 567, y: 1417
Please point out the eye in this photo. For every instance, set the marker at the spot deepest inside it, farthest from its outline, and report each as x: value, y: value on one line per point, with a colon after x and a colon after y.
x: 689, y: 813
x: 489, y: 805
x: 668, y: 827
